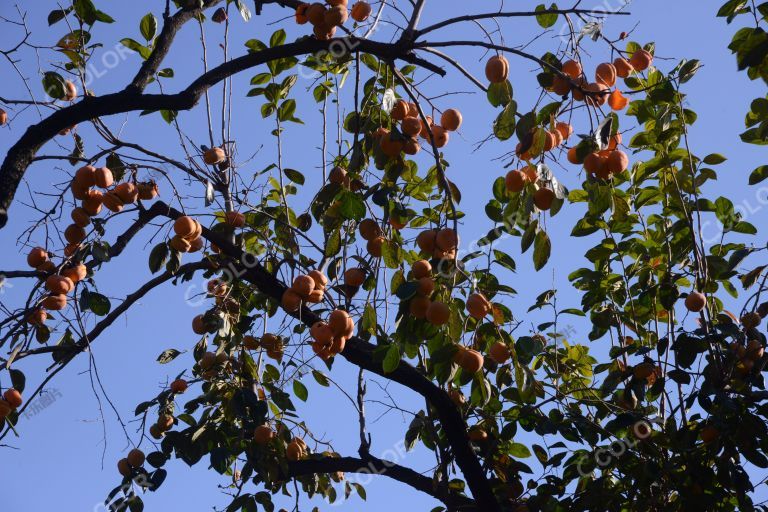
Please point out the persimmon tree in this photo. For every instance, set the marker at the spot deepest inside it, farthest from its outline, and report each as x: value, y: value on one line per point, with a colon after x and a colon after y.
x: 371, y: 270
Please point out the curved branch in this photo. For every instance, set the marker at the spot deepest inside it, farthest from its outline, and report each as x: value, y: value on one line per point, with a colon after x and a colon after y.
x: 374, y: 466
x: 22, y: 153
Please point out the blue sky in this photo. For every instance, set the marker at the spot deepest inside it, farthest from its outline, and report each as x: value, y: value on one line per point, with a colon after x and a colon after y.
x: 59, y: 457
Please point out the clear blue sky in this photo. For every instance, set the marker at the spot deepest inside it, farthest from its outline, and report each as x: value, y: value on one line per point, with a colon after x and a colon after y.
x: 58, y: 464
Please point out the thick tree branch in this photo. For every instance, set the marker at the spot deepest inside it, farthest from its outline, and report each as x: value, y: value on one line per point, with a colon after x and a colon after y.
x: 22, y: 153
x: 375, y: 466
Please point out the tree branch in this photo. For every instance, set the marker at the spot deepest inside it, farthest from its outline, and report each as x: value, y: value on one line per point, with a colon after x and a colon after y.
x: 374, y: 466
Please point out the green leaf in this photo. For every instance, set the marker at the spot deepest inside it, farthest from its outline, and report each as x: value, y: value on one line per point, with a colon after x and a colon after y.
x: 320, y: 378
x: 277, y: 39
x: 244, y: 11
x: 352, y: 206
x: 99, y: 304
x: 134, y: 45
x: 54, y: 85
x: 392, y: 359
x: 158, y: 257
x: 500, y: 94
x: 294, y: 175
x: 758, y: 175
x: 18, y: 380
x: 714, y: 159
x: 148, y: 26
x: 546, y: 20
x: 56, y: 15
x: 168, y: 356
x: 689, y: 69
x: 541, y: 250
x: 504, y: 126
x: 300, y: 390
x: 519, y: 451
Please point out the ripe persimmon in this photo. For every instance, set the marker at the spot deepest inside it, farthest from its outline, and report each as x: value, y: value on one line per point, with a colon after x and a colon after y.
x: 92, y: 202
x: 104, y: 178
x: 319, y: 279
x: 421, y: 268
x: 447, y: 239
x: 70, y: 91
x: 112, y: 202
x: 251, y: 342
x: 374, y: 246
x: 354, y: 277
x: 291, y: 301
x: 426, y: 240
x: 179, y: 386
x: 3, y: 117
x: 399, y: 110
x: 497, y: 69
x: 411, y: 146
x: 561, y: 85
x: 148, y: 190
x: 293, y: 451
x: 438, y: 313
x: 754, y: 350
x: 594, y: 163
x: 478, y: 306
x: 37, y: 317
x: 419, y: 305
x: 198, y: 325
x: 750, y: 320
x: 411, y: 126
x: 336, y: 15
x: 57, y: 284
x: 13, y: 397
x: 606, y: 74
x: 451, y: 120
x: 263, y: 434
x: 695, y: 301
x: 617, y: 101
x: 322, y: 333
x: 531, y: 173
x: 214, y: 156
x: 136, y: 458
x: 37, y: 257
x: 565, y: 129
x: 425, y: 127
x: 337, y: 321
x: 616, y: 162
x: 598, y: 94
x: 303, y: 285
x: 471, y: 361
x: 499, y: 353
x: 75, y: 273
x: 389, y: 146
x: 641, y: 60
x: 74, y: 234
x: 440, y: 136
x: 426, y: 285
x: 301, y: 14
x: 572, y: 69
x: 124, y: 468
x: 709, y: 434
x: 85, y: 176
x: 55, y: 302
x: 185, y: 226
x: 80, y: 217
x: 361, y: 11
x: 180, y: 244
x: 127, y: 192
x: 234, y: 219
x: 369, y: 229
x: 623, y: 67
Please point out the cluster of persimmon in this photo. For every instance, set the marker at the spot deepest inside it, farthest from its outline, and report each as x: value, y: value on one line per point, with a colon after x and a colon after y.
x: 372, y: 233
x: 330, y: 337
x: 572, y: 80
x: 11, y: 401
x: 272, y: 345
x: 58, y: 285
x: 440, y: 244
x: 325, y: 18
x: 392, y: 143
x: 188, y: 235
x: 295, y: 449
x: 309, y: 288
x: 133, y: 461
x: 421, y: 304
